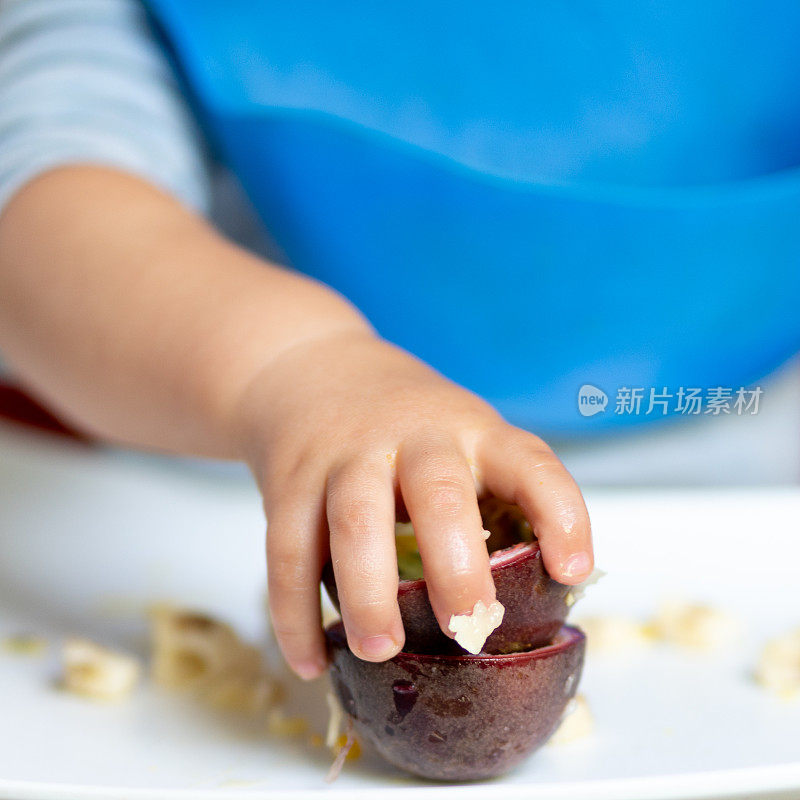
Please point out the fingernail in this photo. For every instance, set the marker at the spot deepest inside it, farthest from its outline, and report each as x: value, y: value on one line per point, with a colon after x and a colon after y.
x: 577, y: 565
x: 308, y: 670
x: 379, y: 647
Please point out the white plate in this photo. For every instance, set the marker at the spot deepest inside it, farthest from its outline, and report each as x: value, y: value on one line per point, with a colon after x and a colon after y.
x: 89, y: 539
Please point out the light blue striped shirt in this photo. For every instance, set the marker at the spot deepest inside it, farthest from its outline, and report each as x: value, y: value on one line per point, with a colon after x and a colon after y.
x: 85, y: 81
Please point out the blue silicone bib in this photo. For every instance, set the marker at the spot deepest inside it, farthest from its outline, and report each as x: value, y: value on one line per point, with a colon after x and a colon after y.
x: 529, y: 196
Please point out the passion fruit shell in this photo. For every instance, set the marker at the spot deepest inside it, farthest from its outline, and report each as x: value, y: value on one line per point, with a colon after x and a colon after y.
x: 535, y: 605
x: 457, y: 717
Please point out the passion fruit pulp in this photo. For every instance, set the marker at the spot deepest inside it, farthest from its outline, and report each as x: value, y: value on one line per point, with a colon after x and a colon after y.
x: 457, y: 717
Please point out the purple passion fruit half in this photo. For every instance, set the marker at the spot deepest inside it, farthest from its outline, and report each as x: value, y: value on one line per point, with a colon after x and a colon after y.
x: 460, y: 717
x: 535, y: 604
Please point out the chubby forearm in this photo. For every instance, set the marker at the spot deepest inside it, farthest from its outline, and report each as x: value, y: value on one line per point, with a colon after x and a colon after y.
x: 135, y: 320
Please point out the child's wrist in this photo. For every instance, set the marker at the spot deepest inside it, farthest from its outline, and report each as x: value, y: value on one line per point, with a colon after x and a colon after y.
x: 255, y: 413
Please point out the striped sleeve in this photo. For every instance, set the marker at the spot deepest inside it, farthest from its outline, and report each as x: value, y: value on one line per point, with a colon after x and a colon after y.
x: 85, y: 81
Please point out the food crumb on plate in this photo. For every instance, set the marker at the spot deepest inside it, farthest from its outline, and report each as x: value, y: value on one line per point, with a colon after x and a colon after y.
x: 194, y: 652
x: 335, y: 719
x: 778, y: 668
x: 279, y: 724
x: 694, y: 626
x: 24, y: 644
x: 613, y: 634
x: 577, y: 722
x: 96, y: 672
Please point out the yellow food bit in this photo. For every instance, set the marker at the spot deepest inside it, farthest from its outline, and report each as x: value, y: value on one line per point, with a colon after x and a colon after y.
x: 24, y: 644
x: 355, y: 749
x: 347, y: 750
x: 278, y: 724
x: 236, y: 783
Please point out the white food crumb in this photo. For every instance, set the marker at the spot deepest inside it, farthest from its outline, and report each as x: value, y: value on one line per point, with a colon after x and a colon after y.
x: 693, y: 626
x: 577, y: 722
x: 487, y: 534
x: 335, y: 719
x: 779, y: 666
x: 613, y: 634
x: 329, y: 614
x: 94, y: 671
x: 472, y: 630
x: 577, y: 592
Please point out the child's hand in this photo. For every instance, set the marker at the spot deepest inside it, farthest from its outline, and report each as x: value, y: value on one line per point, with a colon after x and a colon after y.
x: 166, y: 325
x: 356, y: 426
